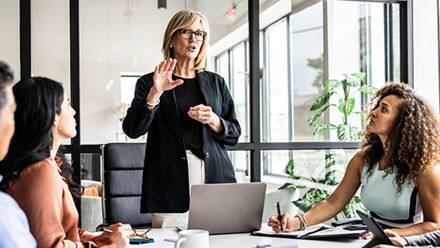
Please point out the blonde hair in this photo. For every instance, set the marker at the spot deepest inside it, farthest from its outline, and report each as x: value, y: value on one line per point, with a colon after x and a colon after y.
x: 185, y: 19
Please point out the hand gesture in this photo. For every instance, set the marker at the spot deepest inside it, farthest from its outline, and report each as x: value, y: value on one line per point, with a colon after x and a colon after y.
x: 287, y: 224
x: 163, y: 76
x: 203, y: 114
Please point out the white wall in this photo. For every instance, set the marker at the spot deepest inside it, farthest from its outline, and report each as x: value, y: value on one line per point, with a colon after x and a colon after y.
x: 10, y: 34
x: 426, y: 81
x: 112, y: 43
x: 50, y: 40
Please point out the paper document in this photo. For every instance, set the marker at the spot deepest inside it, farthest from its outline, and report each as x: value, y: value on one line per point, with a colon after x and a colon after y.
x: 267, y: 230
x: 313, y: 232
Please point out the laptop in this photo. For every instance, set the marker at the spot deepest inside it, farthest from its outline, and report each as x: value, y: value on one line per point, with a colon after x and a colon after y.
x: 380, y: 236
x: 227, y: 207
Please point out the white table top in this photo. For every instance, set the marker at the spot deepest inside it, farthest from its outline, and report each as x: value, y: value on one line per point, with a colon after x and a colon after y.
x: 245, y: 240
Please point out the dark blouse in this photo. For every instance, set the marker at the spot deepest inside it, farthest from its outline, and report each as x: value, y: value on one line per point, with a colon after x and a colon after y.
x: 189, y: 95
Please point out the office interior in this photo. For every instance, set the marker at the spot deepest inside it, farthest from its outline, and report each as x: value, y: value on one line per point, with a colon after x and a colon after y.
x: 274, y: 55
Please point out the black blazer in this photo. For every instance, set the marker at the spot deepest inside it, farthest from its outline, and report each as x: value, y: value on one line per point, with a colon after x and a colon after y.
x: 165, y: 186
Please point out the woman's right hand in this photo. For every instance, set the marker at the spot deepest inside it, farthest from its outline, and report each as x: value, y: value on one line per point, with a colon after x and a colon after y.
x: 287, y: 224
x: 163, y: 76
x: 118, y: 237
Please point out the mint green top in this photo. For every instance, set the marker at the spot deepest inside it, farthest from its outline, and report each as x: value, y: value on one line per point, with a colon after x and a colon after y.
x: 379, y: 195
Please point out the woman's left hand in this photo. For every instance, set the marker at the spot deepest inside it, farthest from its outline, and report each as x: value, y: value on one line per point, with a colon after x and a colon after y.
x: 367, y: 236
x: 205, y: 115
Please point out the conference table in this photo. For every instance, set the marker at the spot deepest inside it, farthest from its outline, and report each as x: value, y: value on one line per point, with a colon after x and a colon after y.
x: 246, y: 240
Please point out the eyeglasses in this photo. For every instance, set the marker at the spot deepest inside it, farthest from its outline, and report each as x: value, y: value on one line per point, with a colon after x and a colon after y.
x: 135, y: 234
x: 187, y: 33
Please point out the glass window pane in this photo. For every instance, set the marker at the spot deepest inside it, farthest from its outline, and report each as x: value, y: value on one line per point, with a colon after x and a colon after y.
x: 307, y: 67
x: 240, y: 89
x: 241, y: 162
x: 355, y: 44
x: 275, y: 110
x: 308, y: 164
x: 10, y: 38
x: 223, y: 66
x: 91, y: 166
x: 396, y: 43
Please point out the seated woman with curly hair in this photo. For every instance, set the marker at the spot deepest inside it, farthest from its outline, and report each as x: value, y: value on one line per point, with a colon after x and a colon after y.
x: 36, y: 174
x: 397, y: 168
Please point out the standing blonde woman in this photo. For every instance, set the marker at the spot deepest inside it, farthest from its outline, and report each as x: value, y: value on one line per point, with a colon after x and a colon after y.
x: 189, y: 116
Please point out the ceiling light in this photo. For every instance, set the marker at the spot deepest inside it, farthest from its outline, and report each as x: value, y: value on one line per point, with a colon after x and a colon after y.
x: 161, y: 4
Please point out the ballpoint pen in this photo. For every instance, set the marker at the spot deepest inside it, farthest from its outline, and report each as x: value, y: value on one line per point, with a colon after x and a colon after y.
x: 279, y: 215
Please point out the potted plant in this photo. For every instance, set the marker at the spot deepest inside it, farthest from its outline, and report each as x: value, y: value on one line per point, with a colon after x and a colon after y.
x: 340, y: 95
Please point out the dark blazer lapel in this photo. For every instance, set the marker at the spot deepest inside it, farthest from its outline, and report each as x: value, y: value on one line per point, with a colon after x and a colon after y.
x: 208, y: 88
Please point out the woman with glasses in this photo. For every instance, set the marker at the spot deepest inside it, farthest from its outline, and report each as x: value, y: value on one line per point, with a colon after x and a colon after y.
x: 36, y: 174
x: 189, y: 116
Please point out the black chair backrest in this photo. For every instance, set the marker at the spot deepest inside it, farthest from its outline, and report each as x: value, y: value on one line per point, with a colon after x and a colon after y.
x: 123, y: 165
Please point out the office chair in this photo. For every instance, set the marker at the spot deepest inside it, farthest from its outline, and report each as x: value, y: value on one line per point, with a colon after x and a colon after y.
x: 122, y: 183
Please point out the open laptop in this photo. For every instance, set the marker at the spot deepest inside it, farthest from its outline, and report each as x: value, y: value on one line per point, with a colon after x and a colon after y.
x: 227, y: 208
x: 380, y: 236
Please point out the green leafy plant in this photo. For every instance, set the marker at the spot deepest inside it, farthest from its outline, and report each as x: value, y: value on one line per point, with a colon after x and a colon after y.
x: 337, y: 94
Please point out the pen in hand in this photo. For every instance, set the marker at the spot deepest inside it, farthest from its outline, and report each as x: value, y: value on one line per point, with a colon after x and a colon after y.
x: 279, y: 215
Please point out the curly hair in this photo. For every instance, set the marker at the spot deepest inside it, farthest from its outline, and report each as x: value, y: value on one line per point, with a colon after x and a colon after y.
x: 413, y: 144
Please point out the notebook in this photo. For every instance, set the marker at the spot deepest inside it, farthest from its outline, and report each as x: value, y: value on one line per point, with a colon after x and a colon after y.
x: 313, y: 232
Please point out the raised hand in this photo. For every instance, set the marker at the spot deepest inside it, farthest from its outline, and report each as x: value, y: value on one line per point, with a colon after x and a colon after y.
x: 163, y: 76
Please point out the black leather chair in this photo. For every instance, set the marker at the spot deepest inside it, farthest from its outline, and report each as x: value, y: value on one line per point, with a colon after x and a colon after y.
x: 122, y: 185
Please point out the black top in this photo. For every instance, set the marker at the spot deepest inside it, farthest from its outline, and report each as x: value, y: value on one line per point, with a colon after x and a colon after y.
x: 189, y: 95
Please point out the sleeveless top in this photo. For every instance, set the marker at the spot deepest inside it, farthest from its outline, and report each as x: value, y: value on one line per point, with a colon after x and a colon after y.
x: 379, y: 195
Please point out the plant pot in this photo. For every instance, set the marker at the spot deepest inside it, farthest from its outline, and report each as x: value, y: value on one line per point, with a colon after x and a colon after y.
x: 284, y: 197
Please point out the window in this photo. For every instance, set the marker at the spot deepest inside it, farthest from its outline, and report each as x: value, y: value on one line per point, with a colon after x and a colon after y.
x: 307, y: 66
x: 128, y: 86
x: 240, y: 88
x: 297, y: 53
x: 276, y: 98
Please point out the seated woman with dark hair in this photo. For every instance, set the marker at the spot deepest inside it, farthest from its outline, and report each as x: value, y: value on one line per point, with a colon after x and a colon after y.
x: 14, y: 228
x: 38, y: 176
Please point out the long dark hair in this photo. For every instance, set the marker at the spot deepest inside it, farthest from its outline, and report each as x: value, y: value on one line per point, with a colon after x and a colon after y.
x: 414, y: 142
x: 38, y: 100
